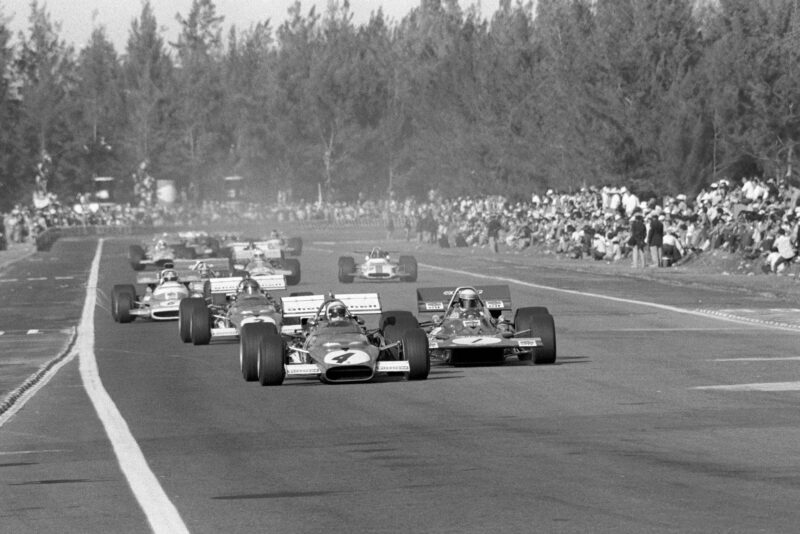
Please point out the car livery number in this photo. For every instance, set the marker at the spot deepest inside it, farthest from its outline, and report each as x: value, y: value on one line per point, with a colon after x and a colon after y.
x: 475, y: 340
x: 346, y: 357
x: 434, y: 306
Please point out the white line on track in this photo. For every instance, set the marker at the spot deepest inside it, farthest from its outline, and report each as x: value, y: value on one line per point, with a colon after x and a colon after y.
x: 9, y: 280
x: 665, y: 307
x: 778, y: 359
x: 64, y: 277
x: 36, y: 278
x: 765, y: 386
x: 161, y: 513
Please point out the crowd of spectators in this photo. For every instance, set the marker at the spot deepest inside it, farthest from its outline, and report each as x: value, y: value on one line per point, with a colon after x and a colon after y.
x: 756, y: 218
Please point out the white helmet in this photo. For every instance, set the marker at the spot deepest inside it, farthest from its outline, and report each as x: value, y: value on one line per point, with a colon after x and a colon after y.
x: 468, y: 299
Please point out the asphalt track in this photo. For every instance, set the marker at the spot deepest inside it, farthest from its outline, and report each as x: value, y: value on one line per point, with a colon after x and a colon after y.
x: 657, y: 417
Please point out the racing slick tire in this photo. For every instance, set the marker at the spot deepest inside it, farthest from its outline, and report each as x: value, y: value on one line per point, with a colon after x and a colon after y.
x: 200, y: 324
x: 123, y: 297
x: 409, y: 266
x: 393, y: 324
x: 538, y: 321
x: 414, y: 345
x: 347, y: 269
x: 292, y: 265
x: 185, y: 312
x: 135, y: 256
x: 249, y: 340
x: 294, y: 246
x: 271, y: 357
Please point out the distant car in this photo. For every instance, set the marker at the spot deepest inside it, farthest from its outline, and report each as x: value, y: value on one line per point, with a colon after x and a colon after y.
x: 331, y: 343
x: 161, y: 252
x: 468, y: 326
x: 203, y: 244
x: 378, y: 266
x: 160, y: 300
x: 230, y: 303
x: 265, y: 257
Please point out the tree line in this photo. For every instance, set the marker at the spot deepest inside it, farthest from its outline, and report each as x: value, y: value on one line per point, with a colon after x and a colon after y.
x: 663, y: 96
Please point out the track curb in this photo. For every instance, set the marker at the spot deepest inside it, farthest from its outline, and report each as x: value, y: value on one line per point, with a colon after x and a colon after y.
x: 726, y: 315
x: 13, y: 397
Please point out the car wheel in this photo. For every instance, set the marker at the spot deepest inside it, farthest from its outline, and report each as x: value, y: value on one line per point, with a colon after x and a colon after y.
x: 347, y: 268
x: 249, y: 339
x: 538, y: 323
x: 292, y: 265
x: 135, y: 256
x: 295, y: 246
x: 271, y: 358
x: 392, y: 326
x: 122, y: 301
x: 185, y: 310
x: 408, y: 264
x: 414, y: 345
x: 200, y: 325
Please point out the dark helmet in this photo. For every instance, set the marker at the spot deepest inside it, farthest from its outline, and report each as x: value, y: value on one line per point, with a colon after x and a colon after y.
x: 248, y: 286
x: 468, y: 299
x: 169, y: 276
x: 336, y: 311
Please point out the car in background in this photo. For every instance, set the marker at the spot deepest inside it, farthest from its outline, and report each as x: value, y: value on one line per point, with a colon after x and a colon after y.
x: 266, y: 257
x: 230, y: 303
x: 161, y: 298
x: 377, y: 265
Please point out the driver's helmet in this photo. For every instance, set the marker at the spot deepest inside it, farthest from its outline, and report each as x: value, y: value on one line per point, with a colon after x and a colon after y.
x: 336, y: 312
x: 248, y: 286
x: 468, y: 299
x: 204, y: 269
x: 259, y: 255
x: 169, y: 276
x: 274, y: 234
x: 161, y: 244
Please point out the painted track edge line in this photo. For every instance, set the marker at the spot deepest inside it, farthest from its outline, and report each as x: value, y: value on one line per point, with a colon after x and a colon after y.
x: 665, y: 307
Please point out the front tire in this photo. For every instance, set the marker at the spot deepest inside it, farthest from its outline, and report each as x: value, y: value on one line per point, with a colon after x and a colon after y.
x: 292, y: 265
x: 200, y: 327
x: 271, y: 358
x: 185, y: 312
x: 249, y: 341
x: 123, y: 298
x: 135, y: 256
x: 414, y: 345
x: 539, y: 323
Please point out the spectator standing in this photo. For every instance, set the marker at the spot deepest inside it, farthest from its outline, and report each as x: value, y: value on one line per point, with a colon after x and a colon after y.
x: 655, y: 239
x: 637, y: 240
x: 785, y: 249
x: 493, y: 232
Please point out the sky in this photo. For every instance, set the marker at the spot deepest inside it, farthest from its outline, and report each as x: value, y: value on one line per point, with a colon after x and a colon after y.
x: 79, y: 17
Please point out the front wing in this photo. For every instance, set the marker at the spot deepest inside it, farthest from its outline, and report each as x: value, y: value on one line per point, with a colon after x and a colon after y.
x: 459, y: 342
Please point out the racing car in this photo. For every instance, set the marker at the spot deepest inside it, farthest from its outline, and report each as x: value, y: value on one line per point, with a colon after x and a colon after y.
x: 161, y: 299
x: 468, y: 326
x: 377, y: 266
x: 331, y: 343
x: 230, y: 303
x: 266, y: 257
x: 161, y: 252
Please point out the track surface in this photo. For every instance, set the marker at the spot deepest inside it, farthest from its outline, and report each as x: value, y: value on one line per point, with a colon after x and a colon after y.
x: 616, y: 437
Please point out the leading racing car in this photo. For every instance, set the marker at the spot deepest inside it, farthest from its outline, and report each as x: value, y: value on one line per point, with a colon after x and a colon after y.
x: 331, y: 343
x: 468, y: 326
x: 378, y: 265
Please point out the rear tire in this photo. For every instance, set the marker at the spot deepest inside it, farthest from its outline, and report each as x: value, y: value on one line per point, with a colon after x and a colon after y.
x: 295, y: 246
x: 347, y: 269
x: 200, y: 325
x: 539, y: 323
x: 409, y: 265
x: 414, y: 344
x: 135, y: 256
x: 292, y: 265
x: 271, y: 358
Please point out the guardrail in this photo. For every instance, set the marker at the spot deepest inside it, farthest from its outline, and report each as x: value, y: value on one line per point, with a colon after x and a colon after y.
x: 46, y: 239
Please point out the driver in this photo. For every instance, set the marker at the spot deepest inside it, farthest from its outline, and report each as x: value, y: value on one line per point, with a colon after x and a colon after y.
x: 336, y: 313
x: 467, y: 304
x: 161, y: 245
x: 248, y: 287
x: 169, y: 275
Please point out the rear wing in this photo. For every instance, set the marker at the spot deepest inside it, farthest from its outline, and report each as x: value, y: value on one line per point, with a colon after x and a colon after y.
x: 229, y: 284
x: 308, y: 305
x: 154, y: 278
x: 215, y: 264
x: 244, y: 250
x: 437, y: 299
